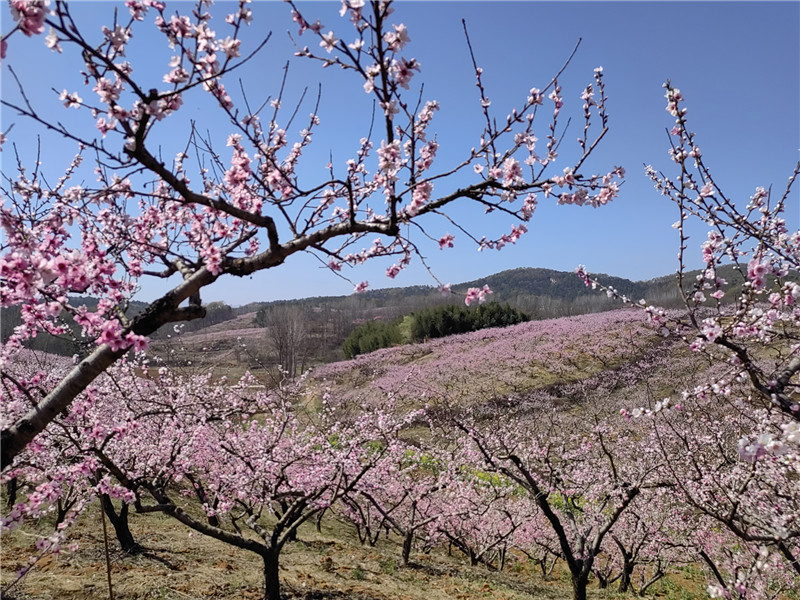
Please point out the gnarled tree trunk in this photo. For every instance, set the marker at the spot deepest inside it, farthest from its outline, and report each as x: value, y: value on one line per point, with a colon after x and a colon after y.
x: 120, y: 523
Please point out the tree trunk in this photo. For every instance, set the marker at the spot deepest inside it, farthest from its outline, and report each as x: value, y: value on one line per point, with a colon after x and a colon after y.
x: 120, y: 524
x: 272, y: 584
x: 646, y: 584
x: 602, y: 580
x: 625, y: 579
x: 61, y: 511
x: 579, y: 583
x: 473, y: 558
x: 408, y: 541
x: 579, y: 588
x: 11, y: 491
x: 292, y: 534
x: 319, y: 521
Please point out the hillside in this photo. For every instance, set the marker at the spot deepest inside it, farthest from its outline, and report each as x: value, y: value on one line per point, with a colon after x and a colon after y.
x: 586, y: 354
x: 328, y: 320
x: 587, y: 365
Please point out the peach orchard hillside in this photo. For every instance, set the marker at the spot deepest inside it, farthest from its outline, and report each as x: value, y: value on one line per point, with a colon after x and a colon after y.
x: 648, y: 460
x: 153, y: 216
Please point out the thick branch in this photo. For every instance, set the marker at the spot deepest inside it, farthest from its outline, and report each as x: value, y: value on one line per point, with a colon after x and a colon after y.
x: 164, y: 310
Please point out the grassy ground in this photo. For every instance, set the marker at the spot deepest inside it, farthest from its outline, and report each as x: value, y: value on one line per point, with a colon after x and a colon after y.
x: 181, y: 565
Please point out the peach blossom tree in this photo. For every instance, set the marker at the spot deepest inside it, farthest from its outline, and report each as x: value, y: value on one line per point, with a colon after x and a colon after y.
x: 148, y: 216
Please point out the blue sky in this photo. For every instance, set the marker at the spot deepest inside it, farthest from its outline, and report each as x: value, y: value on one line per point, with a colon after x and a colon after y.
x: 737, y: 64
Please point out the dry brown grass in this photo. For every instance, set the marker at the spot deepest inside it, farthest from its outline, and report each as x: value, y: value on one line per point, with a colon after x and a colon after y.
x: 181, y: 565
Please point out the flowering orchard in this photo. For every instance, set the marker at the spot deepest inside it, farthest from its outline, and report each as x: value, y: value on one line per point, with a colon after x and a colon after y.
x: 245, y: 468
x: 479, y: 366
x: 715, y: 433
x: 566, y: 477
x: 618, y: 449
x: 151, y: 216
x: 733, y: 448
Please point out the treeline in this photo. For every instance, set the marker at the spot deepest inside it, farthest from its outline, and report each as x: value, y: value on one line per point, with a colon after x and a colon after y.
x: 434, y: 322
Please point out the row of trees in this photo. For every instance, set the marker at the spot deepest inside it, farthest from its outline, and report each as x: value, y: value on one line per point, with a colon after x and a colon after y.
x: 450, y: 320
x: 614, y: 496
x: 428, y: 323
x: 371, y: 336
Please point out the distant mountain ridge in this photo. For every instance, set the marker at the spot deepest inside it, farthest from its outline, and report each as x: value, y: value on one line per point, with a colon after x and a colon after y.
x: 534, y: 281
x: 548, y: 282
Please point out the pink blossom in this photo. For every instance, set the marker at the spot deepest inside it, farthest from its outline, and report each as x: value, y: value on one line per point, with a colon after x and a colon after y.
x: 51, y: 41
x: 329, y: 41
x: 111, y: 334
x: 138, y: 342
x: 711, y: 330
x: 390, y: 108
x: 389, y: 155
x: 298, y: 18
x: 30, y: 14
x: 361, y: 287
x: 355, y: 5
x: 476, y: 294
x: 756, y: 272
x: 230, y: 47
x: 673, y: 96
x: 107, y: 90
x: 104, y: 126
x: 398, y: 38
x: 371, y: 71
x: 536, y: 97
x: 213, y: 259
x: 137, y: 9
x: 156, y: 109
x: 512, y: 171
x: 118, y: 37
x: 529, y: 206
x: 419, y: 197
x: 70, y: 100
x: 446, y: 241
x: 426, y: 155
x: 402, y: 71
x: 556, y: 98
x: 707, y: 190
x: 177, y: 75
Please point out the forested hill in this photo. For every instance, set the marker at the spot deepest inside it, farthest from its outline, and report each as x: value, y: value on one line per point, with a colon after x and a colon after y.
x: 547, y: 282
x: 543, y: 293
x: 525, y: 287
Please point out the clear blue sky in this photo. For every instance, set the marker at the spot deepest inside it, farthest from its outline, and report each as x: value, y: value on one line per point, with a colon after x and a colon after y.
x: 737, y: 64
